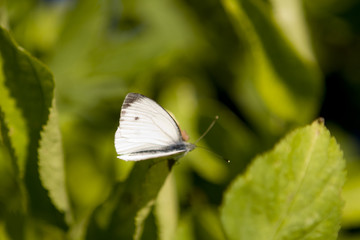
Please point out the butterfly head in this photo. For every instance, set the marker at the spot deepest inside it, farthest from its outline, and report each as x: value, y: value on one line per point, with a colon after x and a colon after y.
x: 189, y: 146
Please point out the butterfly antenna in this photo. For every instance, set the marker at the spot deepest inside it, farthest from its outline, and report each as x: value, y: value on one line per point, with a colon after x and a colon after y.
x: 217, y: 155
x: 207, y: 130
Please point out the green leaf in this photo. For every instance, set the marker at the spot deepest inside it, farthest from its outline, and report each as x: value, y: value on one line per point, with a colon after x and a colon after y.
x: 12, y: 117
x: 13, y: 148
x: 29, y: 82
x: 12, y: 195
x: 291, y: 192
x: 122, y: 216
x: 166, y: 209
x: 275, y: 80
x: 351, y: 194
x: 30, y: 85
x: 185, y: 228
x: 290, y: 16
x: 10, y: 183
x: 51, y: 163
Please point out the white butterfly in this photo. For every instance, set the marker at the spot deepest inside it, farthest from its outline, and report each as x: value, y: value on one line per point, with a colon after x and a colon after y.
x: 148, y: 131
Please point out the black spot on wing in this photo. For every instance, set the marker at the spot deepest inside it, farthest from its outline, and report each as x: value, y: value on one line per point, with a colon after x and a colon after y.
x: 136, y: 118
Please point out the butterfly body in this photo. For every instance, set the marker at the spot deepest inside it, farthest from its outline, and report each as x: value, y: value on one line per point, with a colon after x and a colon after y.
x: 148, y: 131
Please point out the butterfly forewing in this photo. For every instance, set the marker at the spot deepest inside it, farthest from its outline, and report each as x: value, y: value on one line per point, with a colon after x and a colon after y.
x: 146, y: 130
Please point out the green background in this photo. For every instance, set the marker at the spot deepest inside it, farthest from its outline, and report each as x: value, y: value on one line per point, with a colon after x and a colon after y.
x: 264, y: 67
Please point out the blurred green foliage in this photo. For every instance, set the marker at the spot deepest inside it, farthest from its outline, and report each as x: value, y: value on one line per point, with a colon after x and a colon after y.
x: 265, y: 67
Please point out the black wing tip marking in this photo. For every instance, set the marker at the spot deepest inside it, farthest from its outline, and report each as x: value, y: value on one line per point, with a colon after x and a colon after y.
x: 131, y: 98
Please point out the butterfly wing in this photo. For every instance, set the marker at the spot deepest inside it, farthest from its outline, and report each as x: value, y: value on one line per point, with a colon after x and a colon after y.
x: 146, y: 130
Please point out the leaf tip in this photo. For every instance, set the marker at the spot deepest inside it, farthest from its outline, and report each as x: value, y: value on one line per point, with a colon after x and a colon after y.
x: 320, y: 121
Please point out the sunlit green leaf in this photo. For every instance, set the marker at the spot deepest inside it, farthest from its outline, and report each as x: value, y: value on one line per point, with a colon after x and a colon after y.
x: 12, y: 196
x: 291, y: 192
x: 166, y: 210
x: 13, y: 118
x: 290, y: 16
x: 351, y: 190
x: 51, y: 163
